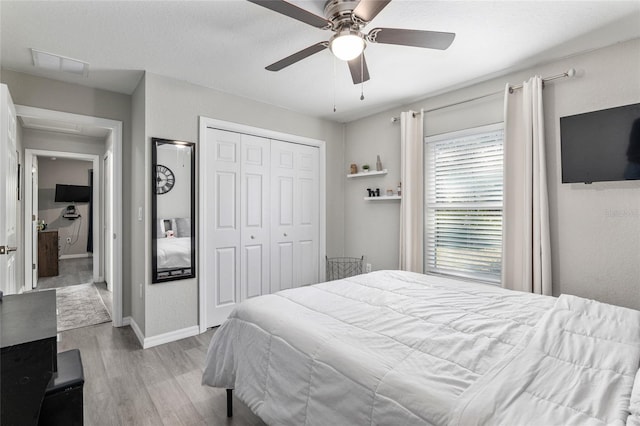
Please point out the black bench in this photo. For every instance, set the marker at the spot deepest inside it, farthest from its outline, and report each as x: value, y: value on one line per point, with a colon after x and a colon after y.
x: 63, y: 402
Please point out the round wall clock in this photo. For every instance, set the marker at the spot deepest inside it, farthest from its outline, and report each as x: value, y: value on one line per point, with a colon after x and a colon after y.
x: 164, y: 179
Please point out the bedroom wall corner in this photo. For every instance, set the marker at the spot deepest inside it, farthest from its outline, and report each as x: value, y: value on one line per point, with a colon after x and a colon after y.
x: 135, y: 255
x: 371, y: 227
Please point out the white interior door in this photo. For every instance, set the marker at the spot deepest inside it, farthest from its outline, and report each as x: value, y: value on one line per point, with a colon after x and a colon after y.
x: 8, y: 195
x: 108, y: 220
x: 34, y: 221
x: 221, y: 227
x: 254, y: 208
x: 295, y: 216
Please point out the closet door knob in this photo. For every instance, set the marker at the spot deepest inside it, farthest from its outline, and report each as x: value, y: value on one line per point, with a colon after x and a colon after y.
x: 285, y: 234
x: 253, y: 238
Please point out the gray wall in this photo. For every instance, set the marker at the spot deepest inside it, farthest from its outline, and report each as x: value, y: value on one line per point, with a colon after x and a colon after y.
x: 68, y: 172
x: 172, y: 110
x: 595, y: 229
x: 60, y: 96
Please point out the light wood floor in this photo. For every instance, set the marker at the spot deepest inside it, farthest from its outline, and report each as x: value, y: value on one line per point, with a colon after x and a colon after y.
x: 125, y: 385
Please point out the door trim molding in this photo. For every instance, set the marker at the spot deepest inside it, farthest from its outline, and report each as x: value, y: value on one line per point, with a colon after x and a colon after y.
x: 205, y: 123
x: 116, y: 128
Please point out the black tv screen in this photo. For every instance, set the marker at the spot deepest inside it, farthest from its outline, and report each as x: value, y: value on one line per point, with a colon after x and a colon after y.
x: 72, y: 194
x: 601, y: 145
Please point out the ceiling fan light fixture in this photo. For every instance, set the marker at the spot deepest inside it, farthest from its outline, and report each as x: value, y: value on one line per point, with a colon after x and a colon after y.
x: 347, y: 45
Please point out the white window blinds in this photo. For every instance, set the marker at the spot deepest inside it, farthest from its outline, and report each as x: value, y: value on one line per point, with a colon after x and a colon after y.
x: 463, y: 203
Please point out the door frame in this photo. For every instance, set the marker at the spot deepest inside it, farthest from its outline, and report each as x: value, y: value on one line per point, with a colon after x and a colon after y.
x: 107, y: 194
x: 28, y: 188
x: 205, y: 123
x: 116, y: 184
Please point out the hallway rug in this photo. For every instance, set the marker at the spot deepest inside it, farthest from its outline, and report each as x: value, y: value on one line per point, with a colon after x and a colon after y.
x: 80, y: 306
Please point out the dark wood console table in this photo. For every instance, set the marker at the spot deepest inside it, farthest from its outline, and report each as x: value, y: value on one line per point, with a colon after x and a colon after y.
x: 29, y: 354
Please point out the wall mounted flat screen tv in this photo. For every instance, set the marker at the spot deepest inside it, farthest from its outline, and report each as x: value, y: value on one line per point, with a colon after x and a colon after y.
x: 601, y: 145
x: 72, y: 194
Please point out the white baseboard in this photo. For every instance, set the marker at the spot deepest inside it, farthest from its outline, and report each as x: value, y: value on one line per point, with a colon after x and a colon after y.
x: 134, y: 326
x: 171, y: 336
x: 74, y: 256
x: 160, y: 339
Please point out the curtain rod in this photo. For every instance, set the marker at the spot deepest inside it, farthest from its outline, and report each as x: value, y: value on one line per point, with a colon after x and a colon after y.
x: 569, y: 73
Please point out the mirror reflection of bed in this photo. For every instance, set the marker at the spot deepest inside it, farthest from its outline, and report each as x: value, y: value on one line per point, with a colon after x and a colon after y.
x: 174, y: 249
x: 173, y: 210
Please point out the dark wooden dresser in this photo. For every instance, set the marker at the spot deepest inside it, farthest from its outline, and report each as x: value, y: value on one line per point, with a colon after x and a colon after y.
x: 28, y: 340
x: 48, y: 253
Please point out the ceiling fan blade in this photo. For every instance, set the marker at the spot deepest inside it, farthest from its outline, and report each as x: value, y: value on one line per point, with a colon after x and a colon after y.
x: 359, y: 71
x: 298, y: 56
x: 293, y: 11
x: 417, y: 38
x: 369, y: 9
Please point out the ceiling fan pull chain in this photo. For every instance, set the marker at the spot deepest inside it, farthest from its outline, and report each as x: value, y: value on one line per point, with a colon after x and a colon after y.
x: 334, y: 84
x: 362, y: 76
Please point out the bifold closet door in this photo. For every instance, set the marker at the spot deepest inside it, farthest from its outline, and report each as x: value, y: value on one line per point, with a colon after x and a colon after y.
x: 295, y: 215
x: 260, y: 223
x: 221, y: 226
x: 254, y: 208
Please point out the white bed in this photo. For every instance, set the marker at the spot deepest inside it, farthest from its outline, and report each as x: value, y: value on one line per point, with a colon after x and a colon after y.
x: 398, y: 348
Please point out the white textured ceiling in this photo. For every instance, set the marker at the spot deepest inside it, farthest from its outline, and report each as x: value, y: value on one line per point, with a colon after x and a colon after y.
x: 225, y: 45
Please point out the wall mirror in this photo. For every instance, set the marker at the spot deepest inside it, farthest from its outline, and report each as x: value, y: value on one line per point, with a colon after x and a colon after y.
x: 173, y: 210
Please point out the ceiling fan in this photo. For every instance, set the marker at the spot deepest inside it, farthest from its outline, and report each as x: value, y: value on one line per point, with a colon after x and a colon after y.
x: 347, y: 19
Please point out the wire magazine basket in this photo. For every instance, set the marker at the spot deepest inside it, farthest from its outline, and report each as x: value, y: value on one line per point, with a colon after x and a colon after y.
x: 343, y: 267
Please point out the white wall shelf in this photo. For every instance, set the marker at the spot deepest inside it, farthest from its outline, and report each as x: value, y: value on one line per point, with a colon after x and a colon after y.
x: 385, y: 197
x: 371, y: 173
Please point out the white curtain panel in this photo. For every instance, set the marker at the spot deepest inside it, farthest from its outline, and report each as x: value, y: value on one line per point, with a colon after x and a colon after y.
x: 412, y: 178
x: 526, y: 259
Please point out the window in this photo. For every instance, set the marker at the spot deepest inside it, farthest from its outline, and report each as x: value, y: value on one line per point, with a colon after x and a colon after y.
x: 463, y: 203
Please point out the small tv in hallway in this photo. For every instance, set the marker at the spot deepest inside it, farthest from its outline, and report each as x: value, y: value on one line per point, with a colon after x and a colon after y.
x: 72, y: 193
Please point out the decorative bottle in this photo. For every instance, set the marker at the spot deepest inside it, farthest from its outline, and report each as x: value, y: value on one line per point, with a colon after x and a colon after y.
x: 378, y: 164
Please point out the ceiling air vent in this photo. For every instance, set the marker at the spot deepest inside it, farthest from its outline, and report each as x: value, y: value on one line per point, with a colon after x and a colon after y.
x: 52, y: 62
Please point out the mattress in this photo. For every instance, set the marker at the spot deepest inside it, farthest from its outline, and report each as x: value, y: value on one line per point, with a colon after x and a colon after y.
x: 394, y: 347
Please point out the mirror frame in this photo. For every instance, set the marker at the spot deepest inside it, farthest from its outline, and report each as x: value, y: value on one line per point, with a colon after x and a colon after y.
x: 155, y: 278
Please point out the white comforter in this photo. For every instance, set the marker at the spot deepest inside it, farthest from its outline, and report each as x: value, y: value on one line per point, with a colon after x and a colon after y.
x: 173, y: 253
x: 396, y: 348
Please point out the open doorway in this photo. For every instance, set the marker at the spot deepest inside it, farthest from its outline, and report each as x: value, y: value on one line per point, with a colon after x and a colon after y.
x: 66, y: 204
x: 85, y: 222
